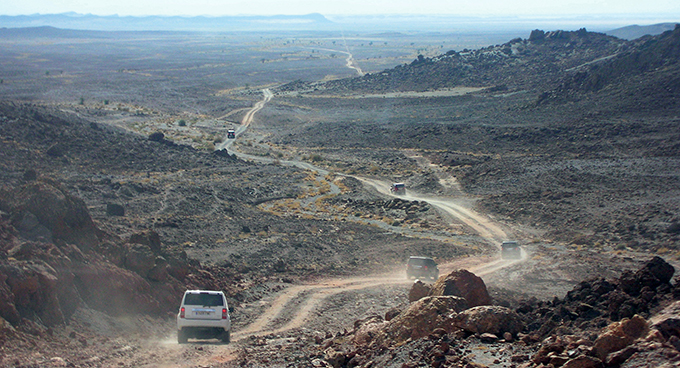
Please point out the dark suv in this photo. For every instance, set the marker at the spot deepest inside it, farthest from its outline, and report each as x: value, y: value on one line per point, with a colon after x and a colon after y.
x: 422, y: 267
x: 511, y: 250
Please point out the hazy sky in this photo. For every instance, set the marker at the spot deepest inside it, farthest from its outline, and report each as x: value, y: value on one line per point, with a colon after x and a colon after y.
x: 331, y: 7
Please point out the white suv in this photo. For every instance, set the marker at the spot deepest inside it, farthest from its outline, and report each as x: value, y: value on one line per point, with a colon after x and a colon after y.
x: 203, y: 314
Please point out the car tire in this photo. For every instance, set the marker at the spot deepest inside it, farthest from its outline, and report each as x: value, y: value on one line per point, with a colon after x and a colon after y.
x: 226, y: 337
x: 182, y: 337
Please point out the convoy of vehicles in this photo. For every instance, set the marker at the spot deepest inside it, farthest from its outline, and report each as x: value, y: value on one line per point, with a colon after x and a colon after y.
x: 511, y: 250
x: 422, y: 267
x: 398, y: 188
x: 203, y: 314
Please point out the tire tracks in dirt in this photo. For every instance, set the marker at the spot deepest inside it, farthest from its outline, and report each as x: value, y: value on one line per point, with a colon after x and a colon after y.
x: 293, y: 307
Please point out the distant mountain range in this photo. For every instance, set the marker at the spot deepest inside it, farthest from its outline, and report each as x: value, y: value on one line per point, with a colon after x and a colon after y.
x: 635, y: 31
x: 169, y: 23
x: 318, y: 22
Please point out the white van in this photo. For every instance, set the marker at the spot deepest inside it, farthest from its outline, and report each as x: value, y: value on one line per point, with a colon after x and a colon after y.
x: 203, y: 314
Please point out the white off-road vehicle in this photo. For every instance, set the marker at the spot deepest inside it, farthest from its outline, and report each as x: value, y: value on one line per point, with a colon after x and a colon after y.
x: 203, y: 314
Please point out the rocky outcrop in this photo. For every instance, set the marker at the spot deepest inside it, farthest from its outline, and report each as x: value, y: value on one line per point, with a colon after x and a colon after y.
x: 465, y: 284
x: 598, y: 302
x: 53, y: 260
x: 424, y: 316
x: 489, y: 319
x: 419, y: 320
x: 65, y: 217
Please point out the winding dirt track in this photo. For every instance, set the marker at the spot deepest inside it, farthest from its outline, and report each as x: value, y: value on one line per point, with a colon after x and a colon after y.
x: 456, y: 208
x: 294, y: 307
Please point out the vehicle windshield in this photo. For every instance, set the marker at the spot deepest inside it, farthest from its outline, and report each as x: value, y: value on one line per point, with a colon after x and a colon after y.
x: 203, y: 299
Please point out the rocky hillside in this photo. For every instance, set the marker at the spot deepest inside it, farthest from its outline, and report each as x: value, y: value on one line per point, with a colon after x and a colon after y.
x: 516, y: 65
x: 54, y: 259
x: 576, y: 128
x: 94, y: 216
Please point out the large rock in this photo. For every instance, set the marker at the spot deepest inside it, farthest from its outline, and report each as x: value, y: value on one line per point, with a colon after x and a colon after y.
x: 619, y: 335
x: 140, y: 259
x: 34, y: 288
x: 418, y: 291
x: 65, y: 216
x: 655, y: 273
x: 465, y: 284
x: 424, y: 316
x: 489, y: 319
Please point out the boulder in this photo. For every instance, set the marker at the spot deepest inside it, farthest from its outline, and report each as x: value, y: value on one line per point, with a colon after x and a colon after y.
x: 464, y: 284
x: 30, y: 228
x: 140, y: 259
x: 64, y: 215
x: 660, y: 269
x: 418, y: 291
x: 619, y: 335
x: 424, y: 316
x: 653, y: 274
x: 115, y: 209
x: 489, y: 319
x: 33, y: 286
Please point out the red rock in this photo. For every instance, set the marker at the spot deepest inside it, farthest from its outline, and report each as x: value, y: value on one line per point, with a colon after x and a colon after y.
x: 418, y: 291
x: 421, y: 319
x: 64, y: 215
x: 464, y: 284
x: 619, y: 335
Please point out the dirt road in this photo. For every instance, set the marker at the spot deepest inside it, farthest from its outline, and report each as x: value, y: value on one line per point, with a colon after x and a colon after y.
x: 296, y: 306
x: 247, y: 119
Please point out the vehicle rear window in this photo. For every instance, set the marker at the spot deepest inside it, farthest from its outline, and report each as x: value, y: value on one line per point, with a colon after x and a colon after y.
x: 421, y: 261
x: 204, y: 299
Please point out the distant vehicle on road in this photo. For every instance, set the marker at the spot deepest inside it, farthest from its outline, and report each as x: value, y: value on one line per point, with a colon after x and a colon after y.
x: 421, y: 267
x: 511, y: 250
x: 231, y: 134
x: 203, y: 314
x: 398, y: 188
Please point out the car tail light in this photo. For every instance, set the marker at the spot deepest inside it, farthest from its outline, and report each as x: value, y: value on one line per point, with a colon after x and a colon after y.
x: 181, y: 313
x: 224, y: 313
